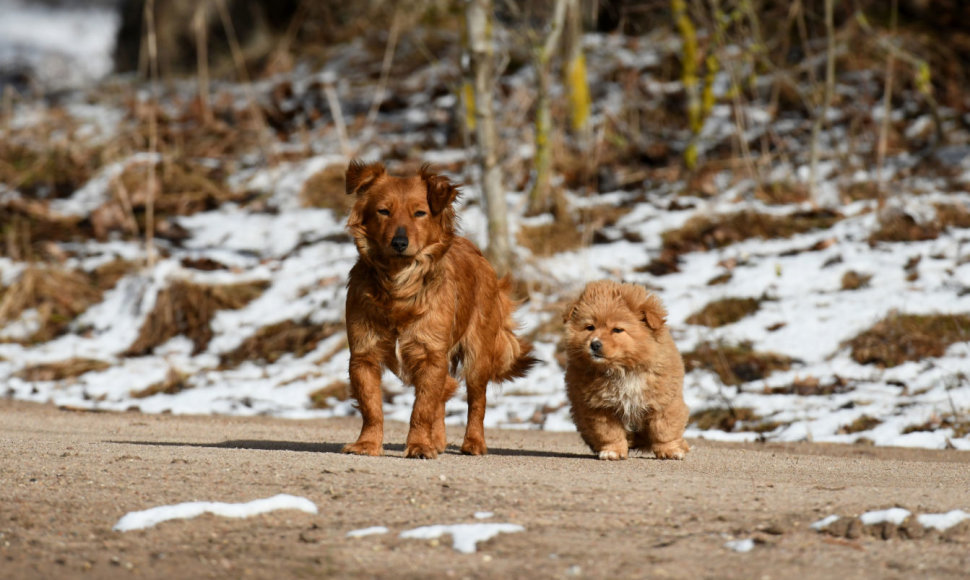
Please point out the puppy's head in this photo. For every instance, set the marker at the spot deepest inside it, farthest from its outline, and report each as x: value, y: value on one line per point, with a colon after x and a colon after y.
x: 396, y: 219
x: 613, y: 325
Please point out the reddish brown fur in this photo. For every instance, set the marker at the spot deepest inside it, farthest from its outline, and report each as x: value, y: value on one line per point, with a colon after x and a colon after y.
x: 624, y: 375
x: 422, y: 310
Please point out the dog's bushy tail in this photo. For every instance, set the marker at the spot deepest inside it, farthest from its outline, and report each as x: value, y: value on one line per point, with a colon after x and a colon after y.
x: 518, y: 352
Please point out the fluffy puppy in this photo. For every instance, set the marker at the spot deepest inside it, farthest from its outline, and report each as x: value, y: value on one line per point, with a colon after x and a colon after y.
x: 624, y: 375
x: 423, y: 302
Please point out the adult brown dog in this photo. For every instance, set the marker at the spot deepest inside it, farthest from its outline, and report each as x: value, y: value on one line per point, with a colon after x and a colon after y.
x: 624, y: 375
x: 426, y: 304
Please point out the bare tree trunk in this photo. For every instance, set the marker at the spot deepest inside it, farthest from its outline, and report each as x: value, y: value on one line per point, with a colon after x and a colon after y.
x: 542, y: 198
x: 826, y: 99
x: 478, y: 19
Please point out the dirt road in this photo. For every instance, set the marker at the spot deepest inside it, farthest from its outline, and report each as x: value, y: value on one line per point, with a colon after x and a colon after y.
x: 67, y: 477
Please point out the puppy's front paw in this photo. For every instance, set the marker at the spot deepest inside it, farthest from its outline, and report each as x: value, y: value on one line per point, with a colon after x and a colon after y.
x: 673, y: 450
x: 611, y: 455
x: 418, y: 451
x: 364, y: 448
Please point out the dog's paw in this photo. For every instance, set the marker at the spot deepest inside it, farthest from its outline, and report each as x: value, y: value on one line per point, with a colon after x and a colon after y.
x: 611, y: 455
x: 417, y: 451
x: 364, y: 448
x: 470, y: 447
x: 674, y: 450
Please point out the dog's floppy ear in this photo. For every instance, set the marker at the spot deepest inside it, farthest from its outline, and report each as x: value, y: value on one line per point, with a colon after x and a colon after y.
x: 361, y: 175
x: 570, y: 310
x: 441, y: 191
x: 653, y: 313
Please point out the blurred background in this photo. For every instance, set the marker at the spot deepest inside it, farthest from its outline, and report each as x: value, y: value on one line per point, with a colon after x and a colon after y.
x: 791, y: 177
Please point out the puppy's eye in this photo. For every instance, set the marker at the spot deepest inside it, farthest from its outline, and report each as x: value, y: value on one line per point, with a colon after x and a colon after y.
x: 384, y: 211
x: 590, y: 327
x: 420, y: 213
x: 617, y: 330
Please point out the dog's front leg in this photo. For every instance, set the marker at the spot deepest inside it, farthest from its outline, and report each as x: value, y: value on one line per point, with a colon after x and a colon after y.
x: 365, y: 387
x: 430, y: 385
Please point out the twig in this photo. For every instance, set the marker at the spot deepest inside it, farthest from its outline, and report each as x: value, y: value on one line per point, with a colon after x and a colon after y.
x: 202, y: 59
x: 338, y: 117
x: 392, y: 37
x: 826, y: 99
x: 886, y: 113
x: 152, y: 134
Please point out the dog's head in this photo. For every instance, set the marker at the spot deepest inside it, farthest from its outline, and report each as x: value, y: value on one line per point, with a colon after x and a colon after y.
x: 396, y: 219
x: 614, y: 325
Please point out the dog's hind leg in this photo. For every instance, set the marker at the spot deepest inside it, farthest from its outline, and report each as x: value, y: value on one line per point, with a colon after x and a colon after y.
x: 474, y: 443
x: 365, y: 387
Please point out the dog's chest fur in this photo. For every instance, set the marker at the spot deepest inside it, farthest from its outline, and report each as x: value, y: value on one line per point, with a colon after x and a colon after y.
x: 623, y: 392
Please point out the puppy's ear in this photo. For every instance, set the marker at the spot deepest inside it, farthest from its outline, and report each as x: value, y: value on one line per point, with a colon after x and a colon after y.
x: 361, y: 175
x: 567, y: 314
x: 441, y: 191
x: 653, y: 313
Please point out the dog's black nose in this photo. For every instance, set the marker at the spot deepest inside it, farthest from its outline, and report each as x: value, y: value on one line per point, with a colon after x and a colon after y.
x: 596, y: 346
x: 400, y: 240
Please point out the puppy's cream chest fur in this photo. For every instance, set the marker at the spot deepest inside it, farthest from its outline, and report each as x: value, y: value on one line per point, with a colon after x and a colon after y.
x: 624, y: 393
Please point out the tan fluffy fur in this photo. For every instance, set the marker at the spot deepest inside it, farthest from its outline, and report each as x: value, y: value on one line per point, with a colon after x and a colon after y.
x: 431, y: 312
x: 624, y: 375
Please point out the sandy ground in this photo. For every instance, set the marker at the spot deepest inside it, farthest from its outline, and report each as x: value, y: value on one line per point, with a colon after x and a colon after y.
x: 67, y: 477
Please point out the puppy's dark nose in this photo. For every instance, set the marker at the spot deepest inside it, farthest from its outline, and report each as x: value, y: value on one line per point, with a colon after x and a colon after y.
x: 400, y: 240
x: 596, y: 346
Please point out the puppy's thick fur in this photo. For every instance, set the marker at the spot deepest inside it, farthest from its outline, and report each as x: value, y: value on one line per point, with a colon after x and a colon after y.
x: 426, y: 304
x: 624, y: 375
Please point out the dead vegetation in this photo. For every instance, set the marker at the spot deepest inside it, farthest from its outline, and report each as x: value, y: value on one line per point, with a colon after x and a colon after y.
x: 61, y: 370
x: 320, y: 398
x: 863, y: 423
x: 27, y: 228
x: 58, y: 296
x: 703, y: 233
x: 959, y: 425
x: 174, y: 382
x: 325, y: 189
x: 735, y: 364
x: 853, y: 280
x: 811, y: 387
x: 731, y: 419
x: 725, y: 311
x: 564, y: 234
x: 187, y: 309
x: 899, y: 338
x: 270, y: 343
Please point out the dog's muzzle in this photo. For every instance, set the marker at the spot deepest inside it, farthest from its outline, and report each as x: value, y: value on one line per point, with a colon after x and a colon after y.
x: 400, y: 241
x: 596, y: 349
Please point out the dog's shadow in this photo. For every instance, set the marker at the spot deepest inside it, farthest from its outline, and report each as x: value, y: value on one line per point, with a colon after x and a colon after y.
x: 325, y: 447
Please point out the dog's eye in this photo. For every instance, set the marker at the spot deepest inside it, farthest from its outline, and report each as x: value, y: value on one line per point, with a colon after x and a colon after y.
x: 384, y: 211
x: 420, y: 213
x: 590, y: 327
x: 617, y: 330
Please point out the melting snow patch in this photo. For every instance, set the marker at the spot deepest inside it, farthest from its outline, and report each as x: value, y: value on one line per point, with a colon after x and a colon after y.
x: 371, y: 531
x: 893, y: 515
x: 150, y: 517
x: 825, y: 522
x: 483, y: 515
x: 465, y: 536
x: 942, y: 522
x: 745, y: 545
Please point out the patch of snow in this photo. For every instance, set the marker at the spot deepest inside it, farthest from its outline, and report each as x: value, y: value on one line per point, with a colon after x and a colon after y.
x: 371, y: 531
x: 825, y: 522
x: 154, y: 516
x: 465, y: 537
x: 745, y: 545
x: 942, y: 522
x: 892, y: 515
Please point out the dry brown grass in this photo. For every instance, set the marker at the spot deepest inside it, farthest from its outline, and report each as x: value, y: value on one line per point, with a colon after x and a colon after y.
x: 26, y: 227
x: 909, y: 337
x: 853, y: 280
x: 187, y: 309
x: 56, y: 170
x: 702, y: 233
x: 732, y: 419
x: 952, y: 215
x: 811, y: 386
x: 782, y: 193
x: 61, y: 370
x: 325, y: 189
x: 902, y: 227
x: 959, y: 425
x: 725, y: 311
x: 270, y: 343
x: 174, y: 382
x: 863, y: 423
x: 320, y: 399
x: 735, y: 364
x: 548, y: 239
x: 59, y: 296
